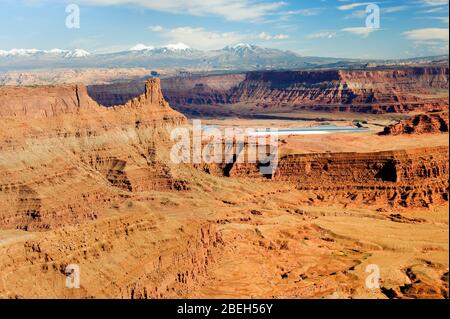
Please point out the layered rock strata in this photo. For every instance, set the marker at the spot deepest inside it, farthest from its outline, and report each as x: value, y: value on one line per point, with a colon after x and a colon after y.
x: 410, y: 178
x: 65, y: 159
x: 430, y: 123
x: 402, y: 89
x: 377, y: 91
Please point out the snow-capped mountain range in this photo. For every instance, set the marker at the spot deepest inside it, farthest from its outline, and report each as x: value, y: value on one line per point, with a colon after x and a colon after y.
x: 77, y: 53
x: 170, y: 47
x: 242, y: 56
x: 178, y: 55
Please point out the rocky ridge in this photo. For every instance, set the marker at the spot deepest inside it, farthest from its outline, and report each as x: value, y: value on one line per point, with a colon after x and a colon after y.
x: 68, y: 141
x: 401, y: 89
x: 420, y: 124
x: 374, y: 91
x: 410, y: 178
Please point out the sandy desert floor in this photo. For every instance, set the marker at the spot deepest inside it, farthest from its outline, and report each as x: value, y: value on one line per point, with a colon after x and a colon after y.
x: 260, y: 240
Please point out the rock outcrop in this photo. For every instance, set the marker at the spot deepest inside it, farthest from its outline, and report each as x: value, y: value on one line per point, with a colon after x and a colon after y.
x: 213, y: 89
x: 420, y: 124
x: 43, y: 101
x: 412, y: 178
x: 202, y: 90
x: 64, y: 158
x: 50, y: 101
x: 117, y: 93
x: 402, y: 89
x: 376, y: 91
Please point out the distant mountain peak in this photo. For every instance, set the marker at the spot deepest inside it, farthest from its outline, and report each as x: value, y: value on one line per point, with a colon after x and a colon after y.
x: 77, y: 53
x: 57, y: 51
x: 18, y: 52
x: 241, y: 46
x: 180, y: 46
x: 141, y: 47
x: 241, y: 56
x: 176, y: 47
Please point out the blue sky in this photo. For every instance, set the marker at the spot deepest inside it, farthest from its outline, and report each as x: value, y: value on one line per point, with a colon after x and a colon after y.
x: 315, y: 27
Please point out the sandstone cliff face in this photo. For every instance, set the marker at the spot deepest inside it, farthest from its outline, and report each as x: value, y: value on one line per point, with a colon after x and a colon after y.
x: 413, y: 178
x: 372, y: 91
x: 48, y: 101
x: 215, y: 89
x: 340, y: 90
x: 401, y: 178
x: 57, y: 139
x: 81, y: 183
x: 117, y: 93
x: 35, y: 102
x: 420, y: 124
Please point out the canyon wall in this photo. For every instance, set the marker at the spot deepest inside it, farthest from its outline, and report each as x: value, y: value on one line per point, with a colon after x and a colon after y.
x: 368, y: 91
x: 64, y: 158
x: 117, y: 93
x: 209, y: 90
x: 81, y: 183
x: 374, y: 91
x: 410, y: 178
x: 212, y: 89
x: 49, y: 101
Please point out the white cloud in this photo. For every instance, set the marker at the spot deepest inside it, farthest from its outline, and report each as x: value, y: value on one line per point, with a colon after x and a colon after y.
x: 156, y: 28
x: 352, y: 6
x: 436, y: 5
x: 442, y: 19
x: 428, y: 34
x: 286, y: 15
x: 304, y: 12
x: 436, y: 2
x: 430, y: 48
x: 233, y: 10
x: 140, y: 47
x: 361, y: 31
x: 202, y: 39
x: 361, y: 14
x: 440, y: 49
x: 322, y: 35
x: 429, y: 40
x: 264, y: 36
x: 267, y: 36
x: 199, y: 38
x: 393, y: 9
x: 358, y: 14
x: 281, y: 37
x: 435, y: 9
x: 180, y: 46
